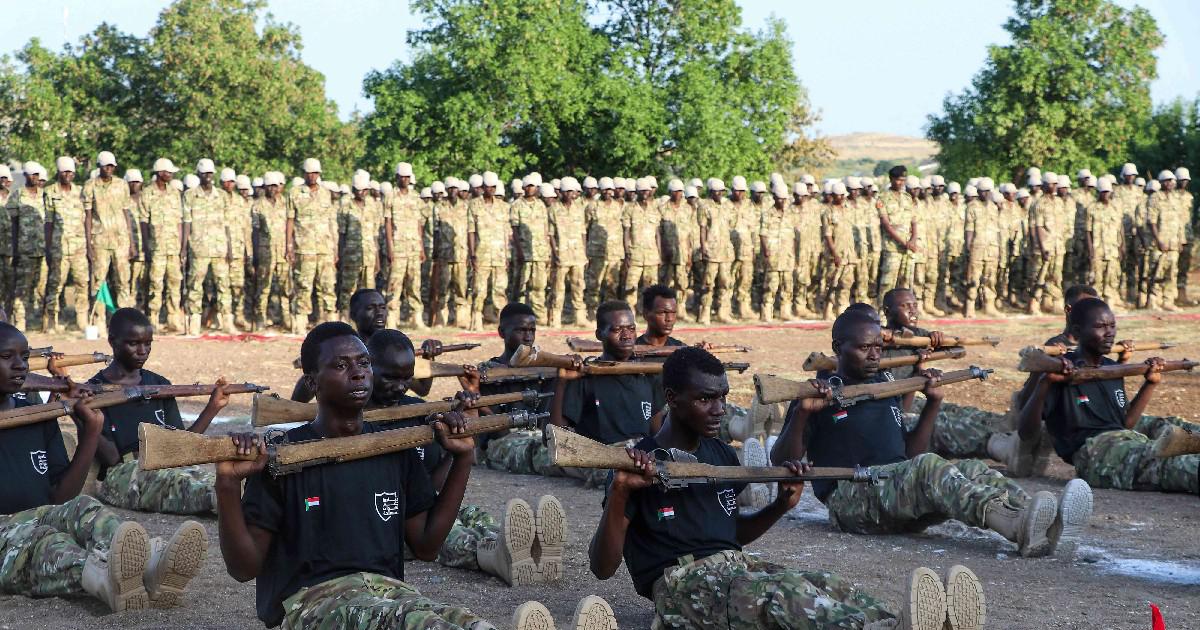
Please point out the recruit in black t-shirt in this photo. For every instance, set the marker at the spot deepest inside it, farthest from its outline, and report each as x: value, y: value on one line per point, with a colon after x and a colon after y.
x: 121, y: 421
x: 1077, y: 411
x: 611, y: 409
x: 904, y: 371
x: 869, y: 433
x: 664, y: 526
x: 431, y: 454
x: 333, y: 520
x: 671, y: 341
x: 32, y: 462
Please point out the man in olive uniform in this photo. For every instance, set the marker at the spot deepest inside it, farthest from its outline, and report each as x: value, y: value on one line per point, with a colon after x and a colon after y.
x: 273, y: 274
x: 982, y: 242
x: 27, y: 207
x: 1166, y: 224
x: 137, y: 261
x: 490, y: 235
x: 568, y: 226
x: 67, y: 267
x: 640, y: 223
x: 312, y: 242
x: 898, y: 222
x: 1187, y: 205
x: 744, y: 234
x: 840, y: 254
x: 106, y: 204
x: 939, y: 212
x: 1104, y: 245
x: 605, y: 245
x: 206, y: 237
x: 358, y: 229
x: 531, y: 239
x: 716, y: 252
x: 405, y: 233
x: 451, y: 252
x: 161, y: 226
x: 241, y: 252
x: 806, y: 278
x: 778, y: 233
x: 1127, y: 195
x: 6, y: 243
x: 1048, y: 229
x: 678, y: 234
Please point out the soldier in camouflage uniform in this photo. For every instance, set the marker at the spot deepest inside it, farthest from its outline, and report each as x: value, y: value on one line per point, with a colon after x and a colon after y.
x: 208, y: 250
x: 716, y: 253
x: 1104, y: 244
x: 840, y: 254
x: 1047, y: 226
x: 1167, y: 225
x: 744, y: 237
x: 67, y: 268
x: 983, y: 234
x: 678, y: 238
x: 358, y: 229
x: 451, y: 251
x: 137, y: 261
x: 405, y: 233
x: 161, y: 224
x: 568, y: 227
x: 6, y: 243
x: 898, y: 223
x: 778, y: 233
x: 531, y: 239
x: 272, y: 272
x: 312, y: 247
x: 1187, y: 255
x: 605, y: 246
x: 641, y: 222
x: 241, y: 243
x: 491, y: 236
x: 106, y: 202
x: 27, y: 207
x: 809, y: 246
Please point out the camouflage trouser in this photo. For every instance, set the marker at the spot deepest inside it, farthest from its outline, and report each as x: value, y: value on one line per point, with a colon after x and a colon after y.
x: 838, y: 283
x: 29, y: 292
x: 350, y: 271
x: 1164, y: 268
x: 1124, y: 460
x: 1108, y: 280
x: 717, y: 276
x: 741, y: 274
x: 1047, y: 282
x: 893, y: 268
x: 165, y: 286
x: 452, y: 291
x: 67, y: 277
x: 196, y: 275
x: 732, y: 590
x: 116, y: 261
x: 237, y: 286
x: 187, y: 490
x: 677, y: 276
x: 532, y: 287
x: 777, y: 283
x: 404, y: 290
x: 638, y: 277
x: 567, y: 276
x: 961, y: 431
x: 490, y: 285
x: 603, y: 280
x: 368, y: 601
x: 981, y: 281
x: 923, y: 491
x: 42, y: 550
x: 313, y: 272
x: 523, y: 452
x: 461, y: 547
x: 273, y: 277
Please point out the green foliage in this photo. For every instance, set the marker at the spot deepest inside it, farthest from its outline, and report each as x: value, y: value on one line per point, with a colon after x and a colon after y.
x: 1071, y: 91
x: 204, y: 83
x: 657, y: 86
x: 1172, y: 138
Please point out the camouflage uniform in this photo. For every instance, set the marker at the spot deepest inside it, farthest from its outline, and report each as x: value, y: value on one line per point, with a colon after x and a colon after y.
x: 108, y: 204
x: 1105, y: 232
x: 43, y: 549
x: 933, y: 239
x: 28, y: 208
x: 895, y: 263
x: 1011, y: 224
x: 273, y: 274
x: 1128, y: 198
x: 677, y: 233
x: 744, y: 235
x: 1170, y: 221
x: 960, y: 431
x: 605, y: 251
x: 208, y: 248
x: 921, y: 492
x: 778, y: 229
x: 837, y: 226
x: 643, y: 256
x: 1125, y: 460
x: 358, y: 241
x: 983, y: 221
x: 162, y: 214
x: 809, y: 246
x: 314, y: 230
x: 67, y: 267
x: 732, y: 590
x: 450, y: 238
x: 369, y: 601
x: 569, y: 224
x: 241, y: 248
x: 187, y: 490
x: 1049, y: 214
x: 473, y: 525
x: 404, y: 276
x: 531, y: 226
x: 489, y: 282
x: 717, y: 220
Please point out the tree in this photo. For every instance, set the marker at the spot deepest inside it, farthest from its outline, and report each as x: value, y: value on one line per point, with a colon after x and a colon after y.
x: 1071, y: 91
x: 1172, y: 138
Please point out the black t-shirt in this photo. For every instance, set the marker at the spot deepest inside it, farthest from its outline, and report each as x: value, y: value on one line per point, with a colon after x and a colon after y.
x: 430, y: 455
x: 333, y: 520
x: 610, y: 409
x: 1076, y: 412
x: 666, y: 525
x: 869, y: 433
x: 671, y: 341
x: 508, y: 386
x: 904, y: 371
x: 1060, y: 339
x: 121, y: 421
x: 32, y: 461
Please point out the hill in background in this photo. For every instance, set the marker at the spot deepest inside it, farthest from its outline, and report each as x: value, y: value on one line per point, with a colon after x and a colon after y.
x: 868, y: 153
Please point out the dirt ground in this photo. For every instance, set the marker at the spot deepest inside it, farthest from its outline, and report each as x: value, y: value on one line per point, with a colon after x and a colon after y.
x: 1139, y: 548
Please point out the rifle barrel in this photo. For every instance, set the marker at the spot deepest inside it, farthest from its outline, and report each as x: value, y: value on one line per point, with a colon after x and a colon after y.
x: 817, y: 361
x: 68, y: 360
x: 272, y: 410
x: 1117, y: 348
x: 773, y: 389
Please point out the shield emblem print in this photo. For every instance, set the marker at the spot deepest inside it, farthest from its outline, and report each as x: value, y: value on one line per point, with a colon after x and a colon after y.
x: 646, y: 409
x: 387, y: 505
x: 40, y: 463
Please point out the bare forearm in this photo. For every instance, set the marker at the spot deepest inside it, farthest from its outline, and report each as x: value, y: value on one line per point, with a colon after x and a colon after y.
x: 242, y: 555
x: 917, y: 441
x: 440, y: 517
x: 751, y: 526
x: 1030, y: 420
x: 204, y: 419
x: 605, y: 552
x: 77, y: 472
x: 1139, y: 404
x: 790, y: 446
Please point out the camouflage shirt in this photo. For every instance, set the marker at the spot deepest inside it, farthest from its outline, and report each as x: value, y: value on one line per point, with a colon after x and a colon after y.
x: 65, y: 210
x: 28, y: 207
x: 489, y: 224
x: 604, y: 232
x: 358, y: 227
x: 678, y: 231
x: 205, y: 211
x: 450, y: 231
x: 569, y: 224
x: 108, y: 203
x: 642, y: 223
x: 238, y: 225
x: 314, y: 221
x: 1105, y: 229
x: 744, y: 232
x: 837, y: 224
x: 532, y: 224
x: 983, y: 221
x: 269, y: 221
x: 717, y: 219
x: 778, y: 229
x: 409, y: 221
x: 162, y: 212
x: 898, y: 208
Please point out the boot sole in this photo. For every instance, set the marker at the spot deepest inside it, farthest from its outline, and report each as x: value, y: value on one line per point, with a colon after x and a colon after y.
x: 755, y: 454
x: 1074, y: 508
x: 593, y: 613
x: 552, y: 536
x: 127, y: 558
x: 185, y: 556
x: 532, y: 616
x: 1043, y: 509
x: 926, y: 601
x: 964, y: 599
x: 517, y: 537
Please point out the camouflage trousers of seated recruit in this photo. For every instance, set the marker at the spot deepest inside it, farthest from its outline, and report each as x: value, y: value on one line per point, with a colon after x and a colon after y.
x: 524, y: 453
x: 731, y: 590
x: 461, y: 547
x: 1124, y: 460
x: 42, y: 550
x: 923, y: 491
x: 368, y: 601
x: 187, y: 490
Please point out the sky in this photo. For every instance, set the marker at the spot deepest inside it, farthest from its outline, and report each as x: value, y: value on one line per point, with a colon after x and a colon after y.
x: 868, y: 65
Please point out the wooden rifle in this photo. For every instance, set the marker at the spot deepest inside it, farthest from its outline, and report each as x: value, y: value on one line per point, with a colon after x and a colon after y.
x: 1117, y: 348
x: 270, y: 409
x: 579, y: 344
x: 817, y: 361
x: 21, y: 416
x: 67, y: 360
x: 1034, y: 360
x: 532, y: 356
x: 774, y: 389
x: 890, y: 338
x: 450, y: 347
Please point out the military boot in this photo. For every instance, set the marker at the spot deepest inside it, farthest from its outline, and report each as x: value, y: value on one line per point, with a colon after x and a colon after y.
x: 785, y: 312
x: 767, y: 315
x: 418, y: 317
x: 964, y: 600
x: 593, y: 613
x: 925, y: 606
x: 227, y: 324
x: 510, y: 555
x: 969, y: 309
x: 725, y: 316
x: 193, y: 325
x: 476, y: 321
x: 1027, y: 526
x: 117, y: 579
x: 174, y: 563
x: 532, y: 616
x: 551, y: 538
x: 1176, y: 441
x: 1074, y: 510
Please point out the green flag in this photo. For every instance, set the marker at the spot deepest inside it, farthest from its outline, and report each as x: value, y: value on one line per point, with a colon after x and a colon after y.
x: 105, y: 297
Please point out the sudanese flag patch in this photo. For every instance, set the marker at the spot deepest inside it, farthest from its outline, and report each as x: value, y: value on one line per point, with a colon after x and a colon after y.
x: 841, y: 415
x: 1082, y: 399
x: 312, y: 503
x: 666, y: 513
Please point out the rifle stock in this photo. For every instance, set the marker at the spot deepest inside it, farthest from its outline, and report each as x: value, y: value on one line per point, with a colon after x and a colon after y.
x: 52, y: 410
x: 900, y: 341
x: 1117, y: 348
x: 817, y: 361
x: 452, y: 347
x: 1033, y: 360
x: 532, y: 356
x: 67, y: 360
x: 579, y: 344
x: 271, y: 409
x: 772, y: 389
x: 161, y: 448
